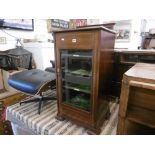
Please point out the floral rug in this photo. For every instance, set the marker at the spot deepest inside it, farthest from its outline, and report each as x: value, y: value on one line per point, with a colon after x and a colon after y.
x: 5, y: 126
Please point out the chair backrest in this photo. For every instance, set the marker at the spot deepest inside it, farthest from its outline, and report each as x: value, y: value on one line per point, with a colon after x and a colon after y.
x: 51, y: 69
x: 53, y: 63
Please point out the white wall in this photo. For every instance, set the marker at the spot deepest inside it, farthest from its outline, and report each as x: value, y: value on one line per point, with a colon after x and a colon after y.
x: 135, y: 39
x: 42, y: 53
x: 150, y: 23
x: 137, y: 26
x: 40, y: 31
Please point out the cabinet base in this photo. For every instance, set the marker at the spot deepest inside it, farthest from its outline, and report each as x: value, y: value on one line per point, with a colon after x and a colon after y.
x: 93, y: 131
x: 107, y: 116
x: 60, y: 118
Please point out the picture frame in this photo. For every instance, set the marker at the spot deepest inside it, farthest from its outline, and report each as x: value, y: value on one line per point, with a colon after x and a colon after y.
x: 56, y: 24
x: 74, y: 23
x: 123, y: 31
x: 21, y: 24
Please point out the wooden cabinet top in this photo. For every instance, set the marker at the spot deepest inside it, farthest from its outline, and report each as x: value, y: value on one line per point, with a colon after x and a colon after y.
x: 88, y: 28
x: 141, y: 71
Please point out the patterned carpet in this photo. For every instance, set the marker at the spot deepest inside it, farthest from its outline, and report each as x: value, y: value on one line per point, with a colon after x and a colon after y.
x: 5, y: 126
x: 26, y: 116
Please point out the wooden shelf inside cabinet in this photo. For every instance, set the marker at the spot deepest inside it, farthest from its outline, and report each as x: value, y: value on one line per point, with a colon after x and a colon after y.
x: 84, y: 63
x: 78, y: 88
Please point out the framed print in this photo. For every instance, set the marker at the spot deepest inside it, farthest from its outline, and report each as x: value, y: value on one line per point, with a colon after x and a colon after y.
x: 56, y: 24
x: 22, y: 24
x: 123, y: 31
x: 74, y: 23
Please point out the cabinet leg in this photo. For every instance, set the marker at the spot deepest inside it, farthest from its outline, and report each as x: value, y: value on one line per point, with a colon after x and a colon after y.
x: 89, y: 132
x: 60, y: 118
x: 121, y: 128
x: 107, y: 115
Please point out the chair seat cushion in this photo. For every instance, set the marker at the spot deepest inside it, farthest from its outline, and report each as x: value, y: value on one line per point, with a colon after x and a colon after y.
x: 30, y: 81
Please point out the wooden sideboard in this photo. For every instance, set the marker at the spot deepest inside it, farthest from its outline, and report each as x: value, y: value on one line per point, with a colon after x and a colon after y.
x: 123, y: 61
x: 137, y: 98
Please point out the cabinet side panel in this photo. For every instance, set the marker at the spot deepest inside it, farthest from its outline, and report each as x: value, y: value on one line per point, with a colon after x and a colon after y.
x: 106, y: 61
x: 106, y: 53
x: 57, y: 66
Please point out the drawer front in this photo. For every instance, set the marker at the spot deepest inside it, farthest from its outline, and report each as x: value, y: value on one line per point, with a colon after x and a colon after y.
x: 75, y: 40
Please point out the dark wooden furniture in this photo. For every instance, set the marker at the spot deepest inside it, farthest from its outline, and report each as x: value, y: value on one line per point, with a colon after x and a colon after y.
x: 123, y: 61
x: 83, y: 68
x: 137, y: 97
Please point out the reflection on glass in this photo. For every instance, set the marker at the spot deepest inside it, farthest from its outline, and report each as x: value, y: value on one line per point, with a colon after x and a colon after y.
x: 76, y: 71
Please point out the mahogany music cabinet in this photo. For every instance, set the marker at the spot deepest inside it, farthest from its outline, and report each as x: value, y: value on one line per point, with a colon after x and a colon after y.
x: 83, y: 68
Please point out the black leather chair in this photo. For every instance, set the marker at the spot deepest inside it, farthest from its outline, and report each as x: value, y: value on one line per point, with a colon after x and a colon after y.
x: 33, y: 82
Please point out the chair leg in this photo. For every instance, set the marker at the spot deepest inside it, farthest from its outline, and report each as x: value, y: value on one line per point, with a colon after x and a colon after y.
x: 30, y: 100
x: 48, y: 98
x: 41, y: 99
x: 40, y: 105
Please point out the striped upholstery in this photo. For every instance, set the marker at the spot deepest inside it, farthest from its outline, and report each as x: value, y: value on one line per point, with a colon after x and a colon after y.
x: 27, y: 117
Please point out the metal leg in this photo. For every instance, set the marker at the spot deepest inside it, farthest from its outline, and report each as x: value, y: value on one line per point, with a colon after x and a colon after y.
x: 30, y: 100
x: 48, y: 98
x: 40, y: 100
x: 40, y: 105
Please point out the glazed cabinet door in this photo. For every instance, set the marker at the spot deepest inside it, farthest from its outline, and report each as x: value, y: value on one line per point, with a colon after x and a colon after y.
x: 76, y: 78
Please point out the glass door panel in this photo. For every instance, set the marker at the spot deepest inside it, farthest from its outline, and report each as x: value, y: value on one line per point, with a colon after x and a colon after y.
x: 76, y: 71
